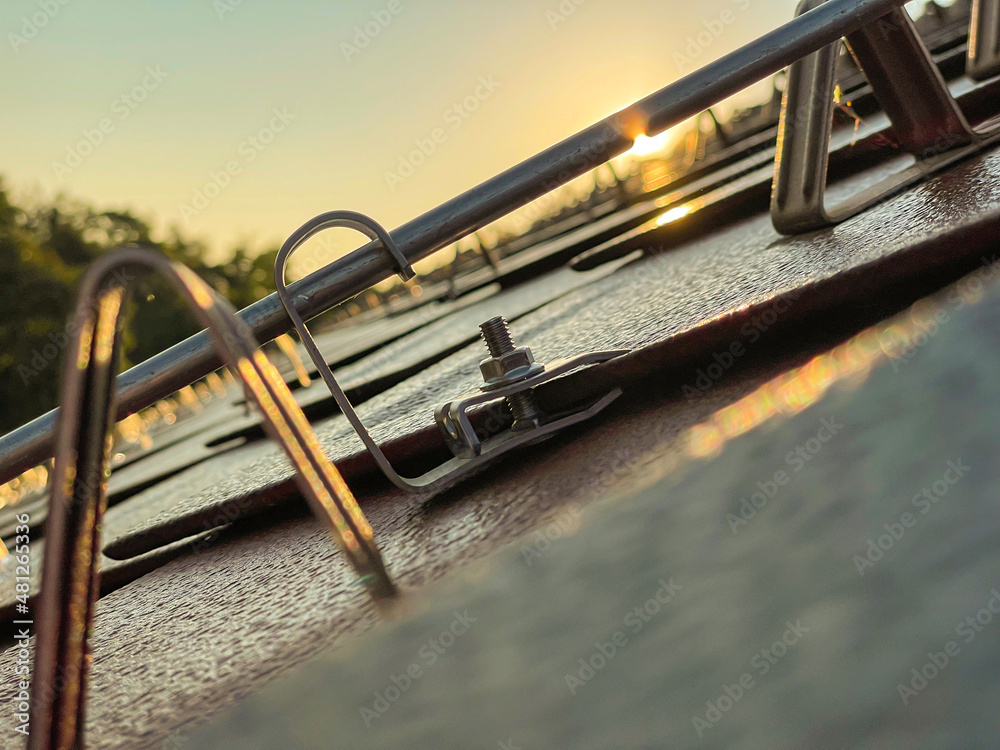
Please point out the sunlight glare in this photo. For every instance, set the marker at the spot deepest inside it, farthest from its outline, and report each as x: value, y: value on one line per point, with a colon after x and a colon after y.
x: 645, y: 145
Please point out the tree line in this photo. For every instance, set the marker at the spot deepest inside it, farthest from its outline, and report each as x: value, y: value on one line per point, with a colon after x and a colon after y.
x: 44, y: 251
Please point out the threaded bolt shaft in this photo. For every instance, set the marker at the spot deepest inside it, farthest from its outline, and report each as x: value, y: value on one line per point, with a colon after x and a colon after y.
x: 525, y: 409
x: 497, y: 336
x: 522, y: 405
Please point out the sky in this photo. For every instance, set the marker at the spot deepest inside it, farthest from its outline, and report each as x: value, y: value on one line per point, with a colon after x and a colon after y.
x: 238, y: 120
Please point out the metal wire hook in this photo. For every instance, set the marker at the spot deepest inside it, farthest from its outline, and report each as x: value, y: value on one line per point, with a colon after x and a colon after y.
x: 375, y: 231
x: 79, y: 477
x: 451, y: 417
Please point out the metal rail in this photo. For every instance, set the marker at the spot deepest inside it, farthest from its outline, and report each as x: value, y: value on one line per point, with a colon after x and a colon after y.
x: 195, y: 357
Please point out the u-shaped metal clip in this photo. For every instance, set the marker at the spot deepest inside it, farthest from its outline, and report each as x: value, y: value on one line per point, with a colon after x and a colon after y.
x: 469, y: 452
x: 374, y: 231
x: 78, y: 494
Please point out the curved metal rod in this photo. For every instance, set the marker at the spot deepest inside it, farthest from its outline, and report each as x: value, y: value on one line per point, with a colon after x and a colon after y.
x: 373, y: 231
x: 79, y: 477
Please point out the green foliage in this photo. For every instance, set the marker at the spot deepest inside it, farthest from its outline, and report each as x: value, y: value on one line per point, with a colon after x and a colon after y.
x: 43, y: 253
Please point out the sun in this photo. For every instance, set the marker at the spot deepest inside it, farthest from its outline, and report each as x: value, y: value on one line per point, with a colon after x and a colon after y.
x: 645, y: 145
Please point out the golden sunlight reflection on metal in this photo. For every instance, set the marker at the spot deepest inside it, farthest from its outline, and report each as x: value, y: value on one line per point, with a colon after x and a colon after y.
x: 674, y: 214
x: 796, y: 390
x: 287, y: 345
x: 83, y: 353
x: 107, y: 316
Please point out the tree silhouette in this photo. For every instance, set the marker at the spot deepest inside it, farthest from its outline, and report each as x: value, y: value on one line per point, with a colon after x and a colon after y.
x: 43, y: 252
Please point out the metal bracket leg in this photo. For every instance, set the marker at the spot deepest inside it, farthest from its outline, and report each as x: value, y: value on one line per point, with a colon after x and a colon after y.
x: 925, y: 116
x: 984, y: 40
x: 926, y: 121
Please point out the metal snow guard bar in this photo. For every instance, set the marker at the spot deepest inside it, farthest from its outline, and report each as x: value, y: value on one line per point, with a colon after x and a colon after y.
x: 195, y: 357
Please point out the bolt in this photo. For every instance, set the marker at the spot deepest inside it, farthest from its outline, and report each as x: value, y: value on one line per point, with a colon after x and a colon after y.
x: 497, y: 336
x: 525, y: 409
x: 522, y: 405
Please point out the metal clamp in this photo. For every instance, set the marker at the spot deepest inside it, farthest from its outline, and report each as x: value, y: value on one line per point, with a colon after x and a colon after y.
x: 470, y: 452
x: 926, y: 121
x: 464, y: 441
x: 984, y: 40
x: 78, y: 494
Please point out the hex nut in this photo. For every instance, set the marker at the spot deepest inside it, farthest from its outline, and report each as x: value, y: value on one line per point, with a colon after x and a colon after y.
x: 498, y: 368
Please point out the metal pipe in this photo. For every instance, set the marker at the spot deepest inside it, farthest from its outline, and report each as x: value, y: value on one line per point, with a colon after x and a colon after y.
x: 195, y: 357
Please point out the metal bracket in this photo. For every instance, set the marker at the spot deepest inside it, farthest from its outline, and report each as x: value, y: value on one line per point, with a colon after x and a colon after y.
x: 470, y: 453
x: 926, y: 121
x: 984, y: 40
x: 460, y: 435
